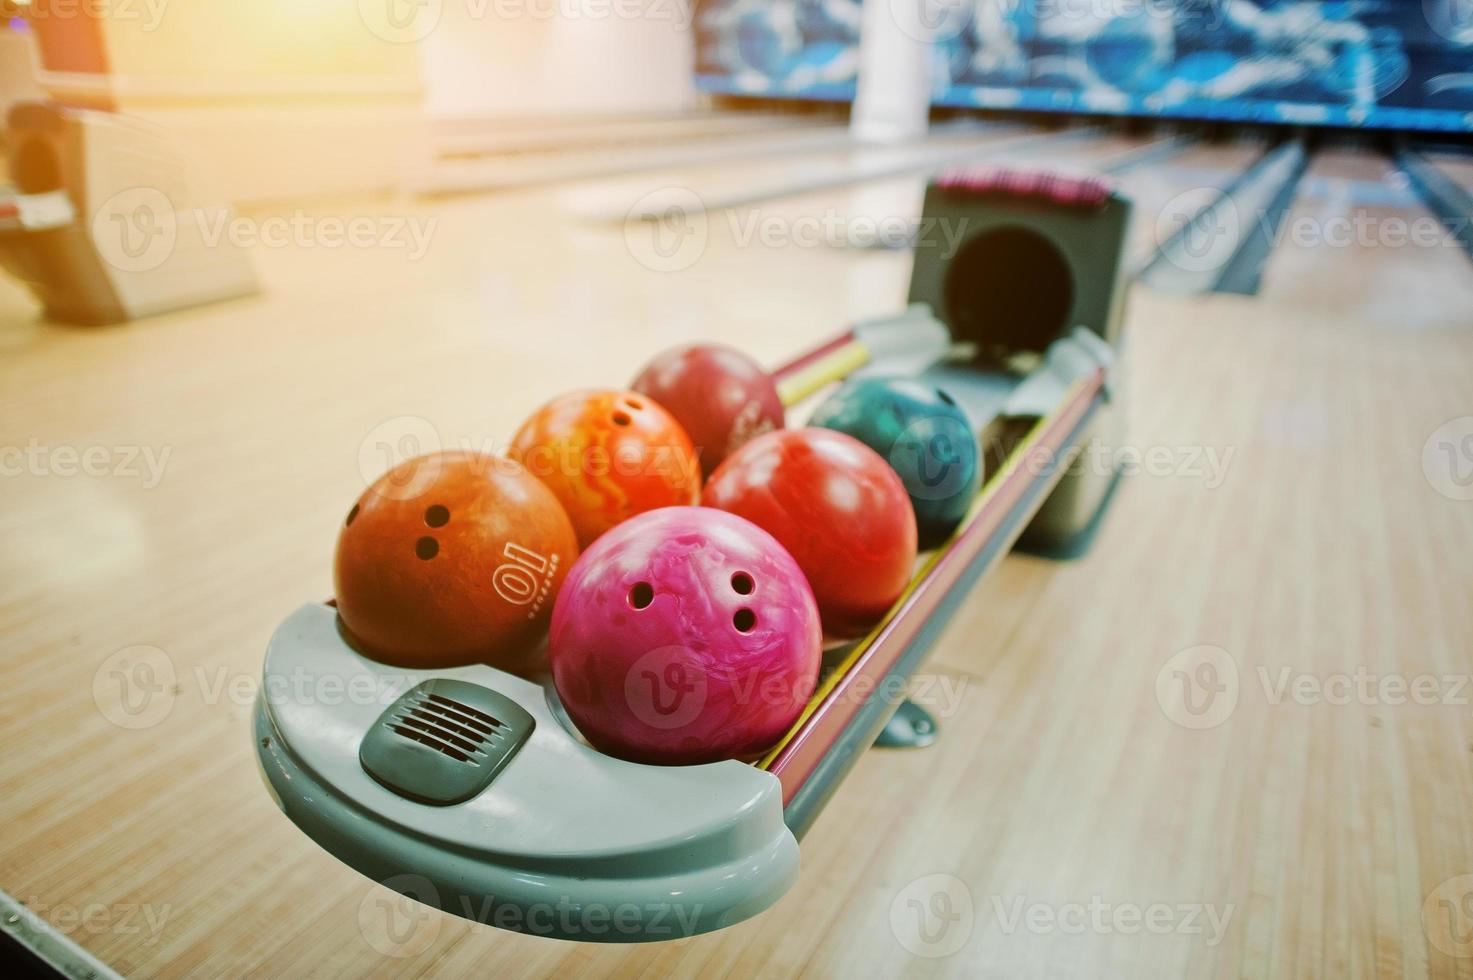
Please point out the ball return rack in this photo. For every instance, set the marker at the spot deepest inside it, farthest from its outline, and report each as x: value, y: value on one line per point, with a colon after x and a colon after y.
x: 540, y: 833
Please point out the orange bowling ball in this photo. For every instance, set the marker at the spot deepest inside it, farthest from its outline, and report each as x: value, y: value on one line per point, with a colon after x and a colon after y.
x: 608, y: 455
x: 450, y: 559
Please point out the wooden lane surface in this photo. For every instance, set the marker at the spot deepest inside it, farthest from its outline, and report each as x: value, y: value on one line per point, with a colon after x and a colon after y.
x: 1459, y: 168
x: 611, y: 198
x: 1165, y: 196
x: 1358, y: 242
x: 898, y: 199
x: 1060, y: 780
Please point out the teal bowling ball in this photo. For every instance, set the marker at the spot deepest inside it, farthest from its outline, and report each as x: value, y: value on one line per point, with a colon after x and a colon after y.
x: 923, y: 434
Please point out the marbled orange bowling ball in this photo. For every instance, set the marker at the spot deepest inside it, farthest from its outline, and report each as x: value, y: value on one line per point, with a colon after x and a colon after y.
x: 608, y: 455
x: 452, y: 558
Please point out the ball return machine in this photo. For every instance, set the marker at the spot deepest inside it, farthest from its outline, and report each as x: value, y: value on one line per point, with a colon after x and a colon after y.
x: 492, y: 807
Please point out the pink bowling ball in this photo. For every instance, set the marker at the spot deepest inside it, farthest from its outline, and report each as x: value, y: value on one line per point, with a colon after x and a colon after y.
x: 685, y: 635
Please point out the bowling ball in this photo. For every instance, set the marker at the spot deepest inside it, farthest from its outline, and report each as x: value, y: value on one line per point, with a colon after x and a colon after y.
x: 925, y: 437
x: 838, y: 508
x: 685, y: 635
x: 452, y: 558
x: 721, y: 396
x: 608, y: 455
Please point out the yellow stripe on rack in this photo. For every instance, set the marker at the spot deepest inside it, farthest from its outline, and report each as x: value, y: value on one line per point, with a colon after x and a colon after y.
x: 986, y: 494
x: 833, y: 366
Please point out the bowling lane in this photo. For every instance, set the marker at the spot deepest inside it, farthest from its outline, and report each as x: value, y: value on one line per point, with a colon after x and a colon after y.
x: 453, y: 347
x: 560, y: 158
x: 1166, y: 195
x: 741, y: 177
x: 887, y: 209
x: 1458, y: 167
x: 788, y: 232
x: 1357, y: 242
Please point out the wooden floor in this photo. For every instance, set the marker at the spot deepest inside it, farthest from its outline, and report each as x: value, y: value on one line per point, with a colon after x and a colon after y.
x: 1285, y: 545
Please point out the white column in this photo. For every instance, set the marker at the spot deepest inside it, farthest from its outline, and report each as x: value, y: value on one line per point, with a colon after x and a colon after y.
x: 893, y: 100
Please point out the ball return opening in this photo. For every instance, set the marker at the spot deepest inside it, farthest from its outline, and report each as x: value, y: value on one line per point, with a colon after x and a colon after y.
x: 469, y: 788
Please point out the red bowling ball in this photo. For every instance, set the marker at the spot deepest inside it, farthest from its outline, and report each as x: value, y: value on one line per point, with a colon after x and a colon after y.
x: 685, y: 635
x: 719, y: 395
x: 837, y: 507
x: 452, y: 558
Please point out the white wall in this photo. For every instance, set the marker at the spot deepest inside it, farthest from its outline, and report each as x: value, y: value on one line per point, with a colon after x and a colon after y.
x: 277, y: 99
x: 587, y: 60
x: 269, y: 99
x: 18, y: 69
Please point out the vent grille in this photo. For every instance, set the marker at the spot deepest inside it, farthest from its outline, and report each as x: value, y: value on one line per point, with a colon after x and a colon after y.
x: 453, y: 729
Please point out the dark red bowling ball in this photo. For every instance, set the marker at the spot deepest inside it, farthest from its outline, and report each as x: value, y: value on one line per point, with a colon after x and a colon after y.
x: 839, y: 509
x: 720, y: 396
